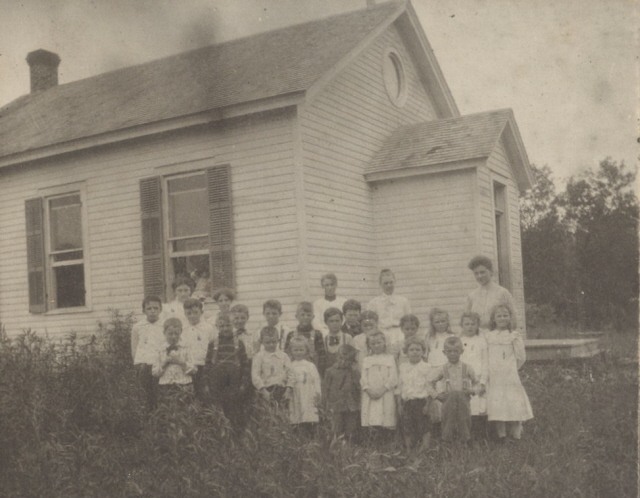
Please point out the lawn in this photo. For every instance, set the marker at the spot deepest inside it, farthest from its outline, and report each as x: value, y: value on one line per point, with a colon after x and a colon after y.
x: 71, y: 425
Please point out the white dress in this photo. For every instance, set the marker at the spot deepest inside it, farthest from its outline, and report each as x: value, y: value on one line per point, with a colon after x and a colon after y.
x: 390, y: 310
x: 305, y: 382
x: 475, y: 355
x: 379, y: 374
x: 506, y: 398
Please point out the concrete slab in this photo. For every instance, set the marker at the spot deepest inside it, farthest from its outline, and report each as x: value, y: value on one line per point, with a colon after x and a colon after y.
x: 554, y: 349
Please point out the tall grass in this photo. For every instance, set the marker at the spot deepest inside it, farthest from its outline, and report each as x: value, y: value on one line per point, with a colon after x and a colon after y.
x: 72, y: 423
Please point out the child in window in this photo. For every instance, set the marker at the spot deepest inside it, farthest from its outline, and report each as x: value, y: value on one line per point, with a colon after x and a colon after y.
x: 379, y: 381
x: 335, y: 337
x: 409, y: 325
x: 173, y: 365
x: 227, y: 373
x: 341, y: 393
x: 456, y: 383
x: 476, y: 356
x: 272, y: 311
x: 351, y: 310
x: 182, y: 287
x: 147, y: 337
x: 197, y: 334
x: 317, y: 352
x: 329, y: 283
x: 305, y: 395
x: 507, y: 401
x: 414, y: 389
x: 271, y: 369
x: 239, y: 319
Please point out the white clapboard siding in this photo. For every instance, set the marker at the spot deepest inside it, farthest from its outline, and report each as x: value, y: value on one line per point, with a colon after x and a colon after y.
x: 260, y: 152
x: 498, y: 169
x: 342, y: 129
x: 425, y: 233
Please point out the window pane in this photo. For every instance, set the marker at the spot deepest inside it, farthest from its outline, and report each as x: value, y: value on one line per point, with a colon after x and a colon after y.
x: 188, y: 213
x: 69, y: 286
x: 67, y: 256
x: 65, y: 223
x: 195, y: 244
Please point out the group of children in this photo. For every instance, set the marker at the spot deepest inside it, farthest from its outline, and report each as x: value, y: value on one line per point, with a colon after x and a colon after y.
x: 363, y: 377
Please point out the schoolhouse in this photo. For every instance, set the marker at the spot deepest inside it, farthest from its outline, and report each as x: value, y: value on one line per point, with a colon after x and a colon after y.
x: 259, y: 163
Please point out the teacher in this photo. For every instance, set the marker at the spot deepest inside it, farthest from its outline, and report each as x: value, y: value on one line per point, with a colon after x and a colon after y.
x: 488, y: 294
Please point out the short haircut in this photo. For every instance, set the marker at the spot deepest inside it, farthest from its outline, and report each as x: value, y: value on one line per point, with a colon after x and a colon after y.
x: 377, y: 334
x: 369, y: 315
x: 299, y: 341
x: 172, y: 322
x: 473, y: 316
x: 351, y: 305
x: 191, y: 303
x: 492, y: 319
x: 453, y: 341
x: 329, y: 312
x: 349, y: 351
x: 183, y: 280
x: 239, y: 308
x: 223, y: 317
x: 432, y: 315
x: 151, y: 299
x: 268, y: 333
x: 409, y: 319
x: 224, y: 291
x: 413, y: 340
x: 386, y: 271
x: 480, y: 261
x: 272, y: 304
x: 305, y: 306
x: 329, y: 276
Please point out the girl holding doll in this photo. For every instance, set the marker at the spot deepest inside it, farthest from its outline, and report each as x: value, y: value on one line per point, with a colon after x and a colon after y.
x: 305, y: 384
x: 507, y: 401
x: 475, y: 355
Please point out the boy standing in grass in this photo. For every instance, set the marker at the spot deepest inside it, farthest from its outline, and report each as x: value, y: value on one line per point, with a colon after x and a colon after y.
x: 173, y: 365
x: 146, y: 340
x: 271, y: 369
x: 197, y: 334
x: 317, y: 352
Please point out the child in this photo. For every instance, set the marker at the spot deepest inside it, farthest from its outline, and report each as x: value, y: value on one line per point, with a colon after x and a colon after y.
x: 379, y: 380
x: 317, y: 353
x: 369, y: 323
x: 272, y: 310
x: 335, y: 338
x: 223, y: 298
x: 271, y: 369
x: 409, y: 325
x: 227, y: 373
x: 197, y: 334
x: 341, y: 393
x: 456, y: 382
x: 173, y: 365
x: 239, y: 319
x: 182, y: 287
x: 146, y: 340
x: 202, y: 289
x: 329, y: 283
x: 507, y: 401
x: 305, y: 395
x: 475, y: 355
x: 412, y: 393
x: 351, y: 310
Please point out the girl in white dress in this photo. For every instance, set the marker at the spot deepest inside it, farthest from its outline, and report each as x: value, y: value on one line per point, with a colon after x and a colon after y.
x: 439, y: 330
x: 475, y: 355
x: 379, y: 380
x: 305, y: 396
x: 507, y: 401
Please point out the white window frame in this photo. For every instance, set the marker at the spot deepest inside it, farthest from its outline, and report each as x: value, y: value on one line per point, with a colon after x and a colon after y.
x: 502, y: 233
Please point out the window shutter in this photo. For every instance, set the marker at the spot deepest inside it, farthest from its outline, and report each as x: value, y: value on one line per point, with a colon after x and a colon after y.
x: 35, y: 255
x: 152, y: 240
x: 220, y: 226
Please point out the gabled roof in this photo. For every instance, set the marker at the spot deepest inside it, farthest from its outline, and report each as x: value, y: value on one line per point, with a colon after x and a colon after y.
x: 441, y: 141
x: 278, y: 63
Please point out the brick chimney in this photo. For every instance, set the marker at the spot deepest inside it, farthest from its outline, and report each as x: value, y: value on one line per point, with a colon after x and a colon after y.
x: 43, y: 67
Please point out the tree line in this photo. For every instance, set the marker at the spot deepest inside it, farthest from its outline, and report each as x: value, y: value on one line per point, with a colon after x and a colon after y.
x: 580, y: 247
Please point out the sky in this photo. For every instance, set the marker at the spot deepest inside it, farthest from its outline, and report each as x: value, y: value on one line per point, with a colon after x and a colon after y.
x: 570, y: 69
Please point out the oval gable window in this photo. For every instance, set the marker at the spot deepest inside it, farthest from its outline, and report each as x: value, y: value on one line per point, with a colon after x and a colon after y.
x: 395, y: 80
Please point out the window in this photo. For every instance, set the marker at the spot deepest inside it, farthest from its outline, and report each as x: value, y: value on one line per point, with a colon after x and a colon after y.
x: 394, y: 77
x: 502, y: 234
x: 187, y: 230
x: 55, y: 252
